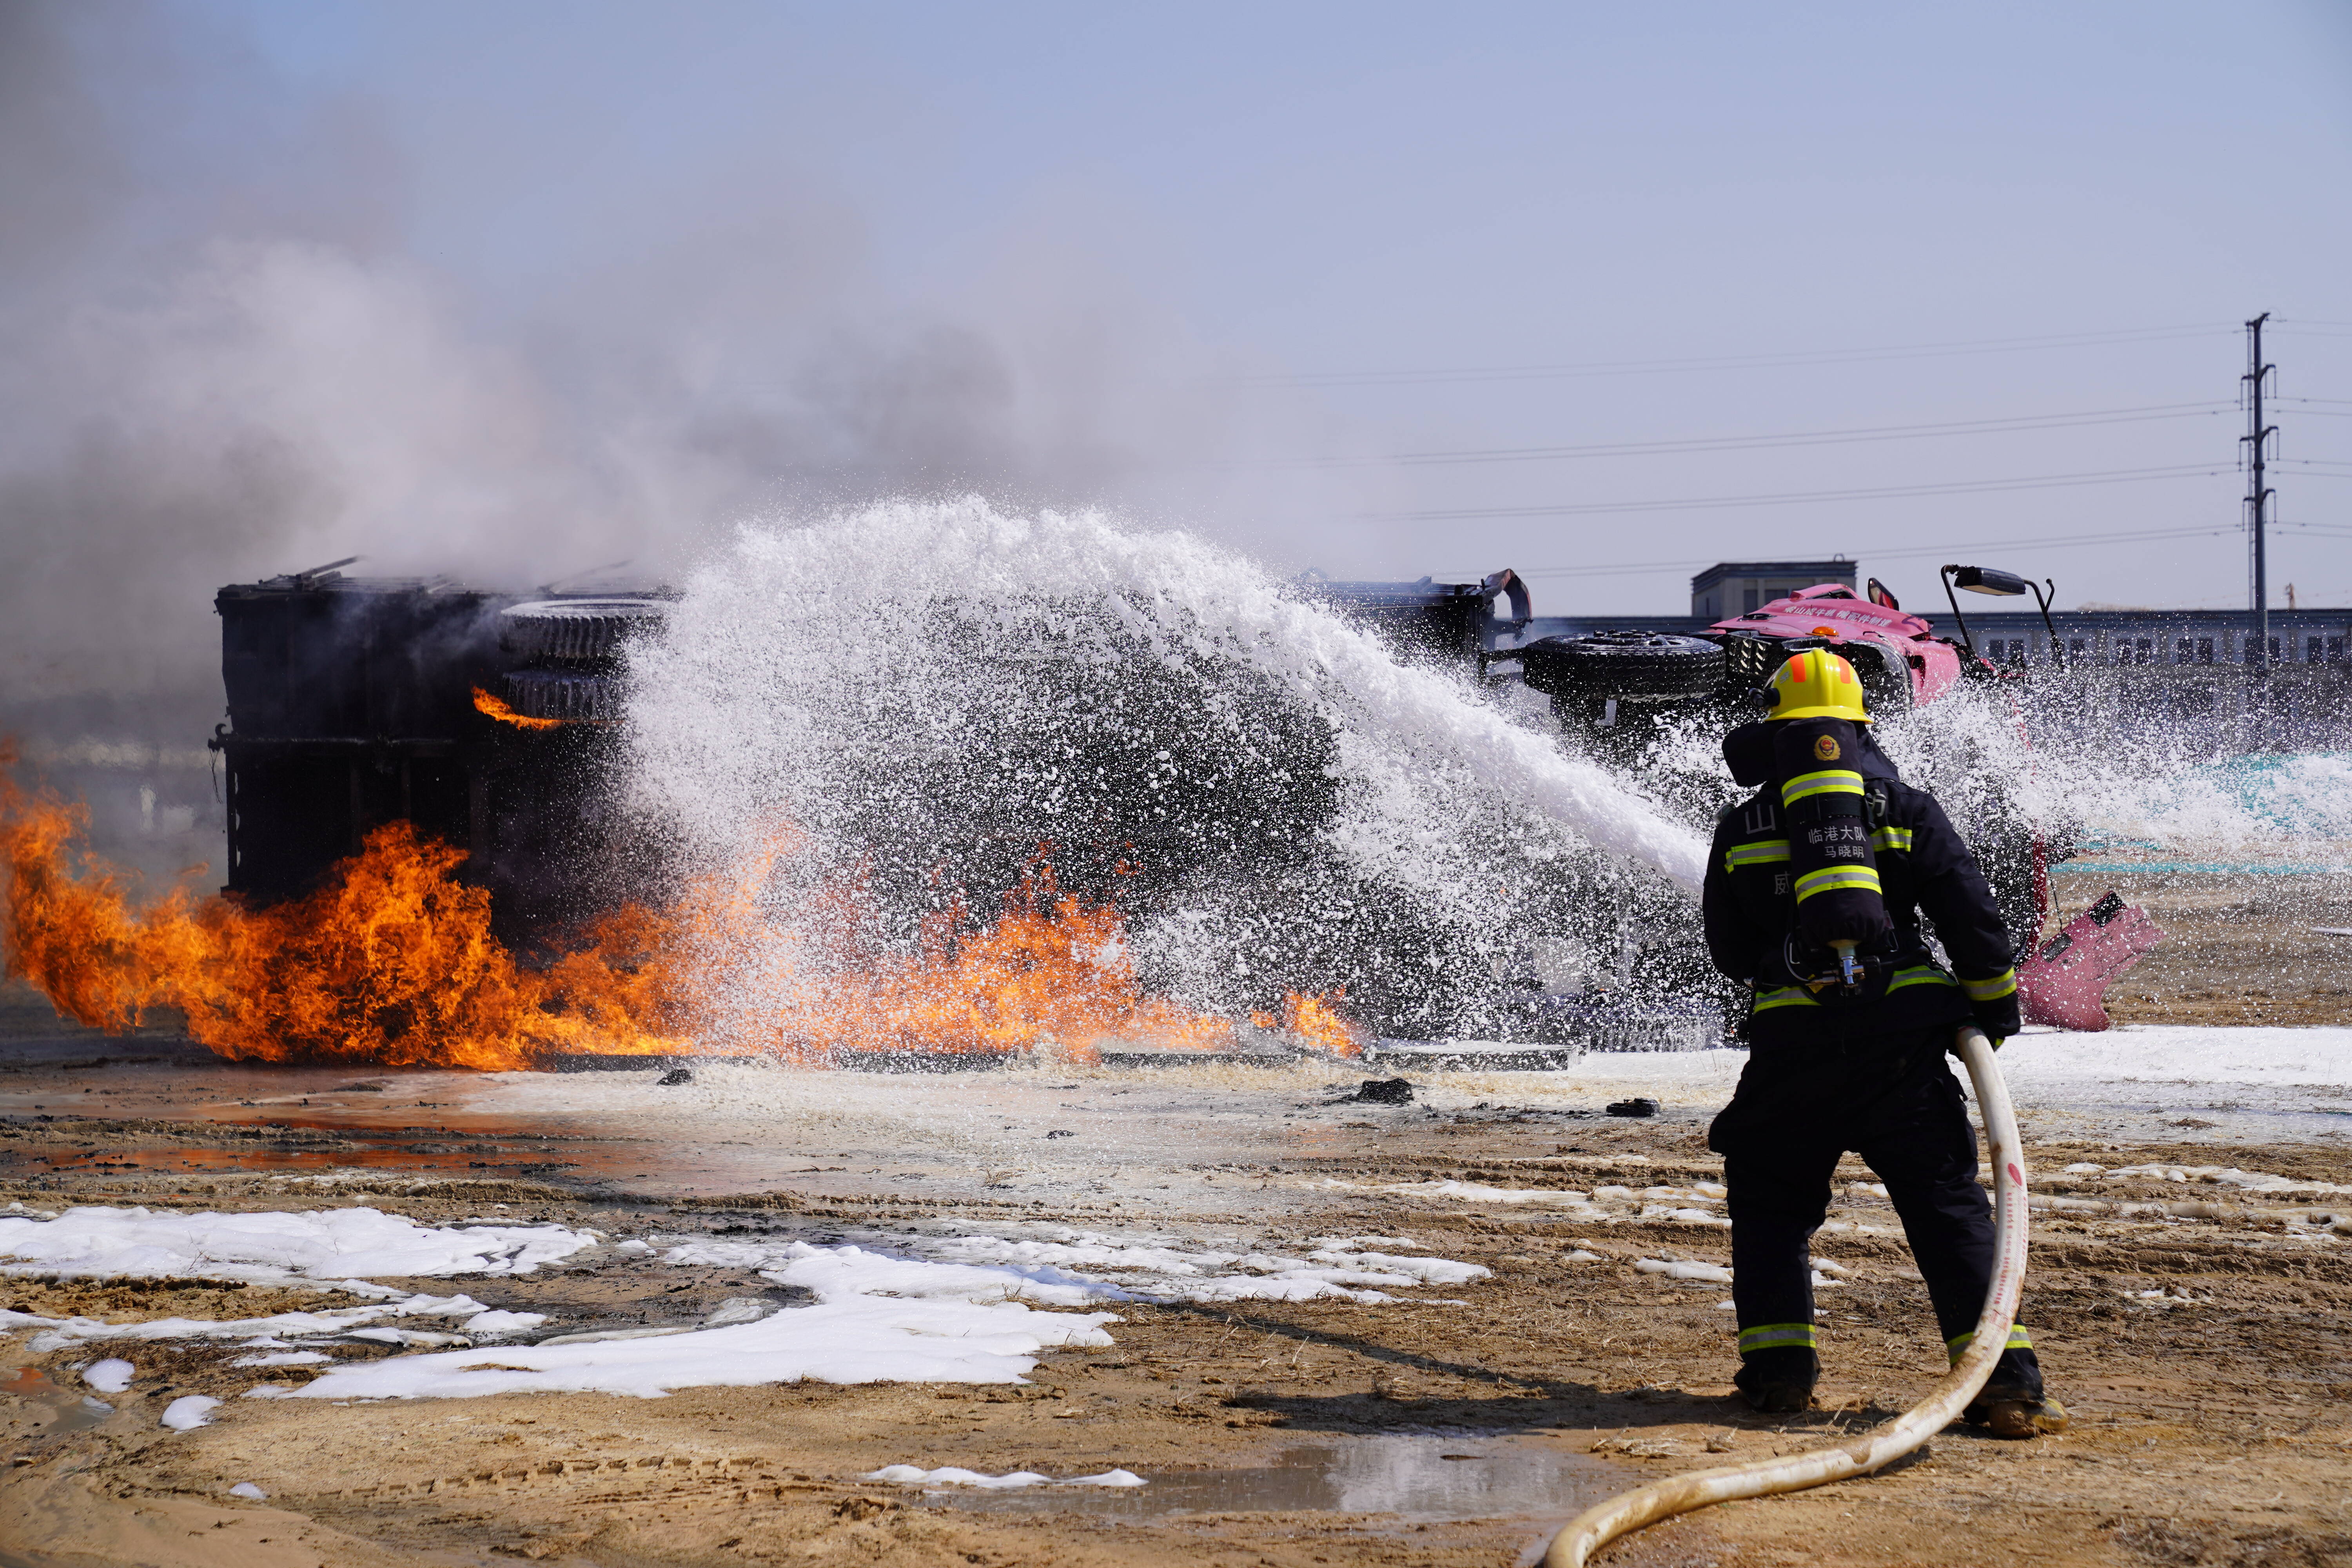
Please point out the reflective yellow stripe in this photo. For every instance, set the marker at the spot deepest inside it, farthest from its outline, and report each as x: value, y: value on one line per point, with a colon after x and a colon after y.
x: 1993, y: 990
x: 2019, y: 1340
x: 1769, y: 1336
x: 1757, y: 853
x: 1926, y: 975
x: 1891, y: 839
x: 1834, y: 781
x: 1789, y: 997
x: 1834, y: 878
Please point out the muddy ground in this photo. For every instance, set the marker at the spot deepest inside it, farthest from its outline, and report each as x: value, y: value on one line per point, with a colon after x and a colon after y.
x: 2205, y: 1358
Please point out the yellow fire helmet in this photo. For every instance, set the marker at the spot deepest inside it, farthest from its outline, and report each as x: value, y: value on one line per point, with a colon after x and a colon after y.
x: 1817, y: 684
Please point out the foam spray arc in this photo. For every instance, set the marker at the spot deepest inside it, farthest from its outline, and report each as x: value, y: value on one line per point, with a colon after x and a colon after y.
x: 1279, y: 804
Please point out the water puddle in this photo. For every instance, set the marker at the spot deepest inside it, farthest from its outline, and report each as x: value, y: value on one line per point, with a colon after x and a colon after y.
x: 69, y: 1411
x: 1417, y: 1478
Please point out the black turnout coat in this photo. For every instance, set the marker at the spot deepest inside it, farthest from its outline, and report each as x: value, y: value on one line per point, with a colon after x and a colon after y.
x: 1928, y: 879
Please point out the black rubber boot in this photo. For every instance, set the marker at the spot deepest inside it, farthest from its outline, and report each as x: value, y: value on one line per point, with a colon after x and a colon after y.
x: 2012, y: 1404
x: 2017, y: 1417
x: 1779, y: 1381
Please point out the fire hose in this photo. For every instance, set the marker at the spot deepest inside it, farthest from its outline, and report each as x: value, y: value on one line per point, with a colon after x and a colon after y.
x: 1596, y: 1527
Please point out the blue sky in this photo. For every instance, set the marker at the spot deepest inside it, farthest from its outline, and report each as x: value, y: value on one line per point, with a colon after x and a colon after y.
x: 1150, y: 245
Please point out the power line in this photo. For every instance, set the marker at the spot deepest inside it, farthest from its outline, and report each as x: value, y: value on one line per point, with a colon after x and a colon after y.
x: 2022, y: 422
x: 1883, y: 493
x: 2038, y: 542
x: 1948, y: 549
x: 1730, y: 361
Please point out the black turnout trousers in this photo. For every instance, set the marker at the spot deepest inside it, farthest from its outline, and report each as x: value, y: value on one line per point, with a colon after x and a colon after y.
x: 1889, y: 1097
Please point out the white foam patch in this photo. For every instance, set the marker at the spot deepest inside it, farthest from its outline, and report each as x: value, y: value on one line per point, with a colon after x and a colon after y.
x: 1606, y: 1204
x: 2059, y: 1069
x: 954, y: 1476
x: 2227, y: 1176
x: 190, y: 1411
x: 1075, y: 1266
x: 272, y: 1248
x: 2165, y: 1053
x: 841, y: 1273
x: 59, y: 1334
x: 111, y: 1375
x: 863, y: 1339
x: 1481, y: 1193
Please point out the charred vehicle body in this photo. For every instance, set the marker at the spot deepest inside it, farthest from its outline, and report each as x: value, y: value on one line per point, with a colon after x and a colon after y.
x: 486, y: 721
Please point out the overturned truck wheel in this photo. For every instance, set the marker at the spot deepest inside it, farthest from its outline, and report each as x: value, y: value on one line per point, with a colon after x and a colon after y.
x: 1623, y: 667
x: 574, y: 632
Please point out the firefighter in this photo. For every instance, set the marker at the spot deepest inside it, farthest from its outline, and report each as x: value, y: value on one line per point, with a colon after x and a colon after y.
x: 1816, y: 889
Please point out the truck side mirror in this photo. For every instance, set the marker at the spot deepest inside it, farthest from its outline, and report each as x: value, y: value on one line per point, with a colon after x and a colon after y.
x: 1987, y: 580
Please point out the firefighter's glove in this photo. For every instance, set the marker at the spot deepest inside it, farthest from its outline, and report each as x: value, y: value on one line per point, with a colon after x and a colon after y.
x: 1998, y: 1018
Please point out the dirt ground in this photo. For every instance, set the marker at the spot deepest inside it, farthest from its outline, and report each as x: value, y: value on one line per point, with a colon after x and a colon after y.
x: 2238, y: 948
x: 2204, y: 1358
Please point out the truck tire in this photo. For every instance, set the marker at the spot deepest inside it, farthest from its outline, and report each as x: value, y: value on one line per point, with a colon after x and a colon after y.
x: 574, y: 631
x: 562, y: 694
x: 1626, y: 666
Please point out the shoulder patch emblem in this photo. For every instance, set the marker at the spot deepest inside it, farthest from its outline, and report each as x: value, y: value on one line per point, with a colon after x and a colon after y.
x: 1825, y: 747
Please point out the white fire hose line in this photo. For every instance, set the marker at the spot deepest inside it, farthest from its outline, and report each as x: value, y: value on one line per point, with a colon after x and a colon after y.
x: 1596, y: 1527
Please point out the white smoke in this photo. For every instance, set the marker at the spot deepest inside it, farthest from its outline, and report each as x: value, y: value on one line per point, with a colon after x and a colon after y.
x: 223, y: 356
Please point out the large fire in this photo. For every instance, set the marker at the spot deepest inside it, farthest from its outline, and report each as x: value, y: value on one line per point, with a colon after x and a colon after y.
x: 393, y: 962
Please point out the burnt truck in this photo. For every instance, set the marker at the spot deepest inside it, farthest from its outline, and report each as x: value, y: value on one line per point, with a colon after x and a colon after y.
x: 485, y: 720
x: 491, y: 721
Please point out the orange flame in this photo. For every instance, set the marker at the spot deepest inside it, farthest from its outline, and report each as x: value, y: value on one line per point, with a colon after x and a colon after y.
x: 496, y: 708
x: 1317, y: 1023
x: 393, y: 961
x: 1053, y: 974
